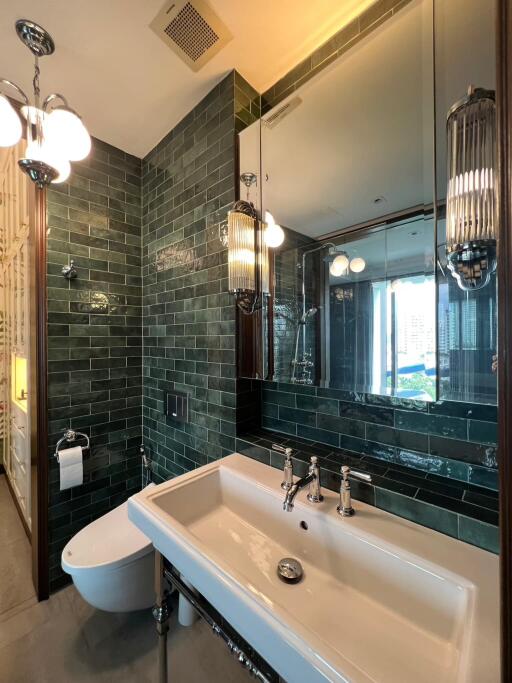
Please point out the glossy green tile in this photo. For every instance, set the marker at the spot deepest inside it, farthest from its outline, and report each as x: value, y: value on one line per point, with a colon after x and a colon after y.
x: 483, y: 432
x: 452, y: 427
x: 397, y: 437
x: 318, y: 404
x: 417, y: 511
x: 480, y: 534
x: 342, y: 425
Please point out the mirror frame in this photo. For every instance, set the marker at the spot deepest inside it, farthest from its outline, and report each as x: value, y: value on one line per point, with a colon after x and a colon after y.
x: 504, y: 136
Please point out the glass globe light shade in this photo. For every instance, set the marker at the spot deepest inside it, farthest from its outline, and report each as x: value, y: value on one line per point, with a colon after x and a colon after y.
x: 67, y: 134
x: 47, y: 154
x: 10, y: 124
x: 34, y: 151
x: 63, y: 167
x: 274, y: 233
x: 357, y: 265
x: 339, y: 265
x: 32, y: 114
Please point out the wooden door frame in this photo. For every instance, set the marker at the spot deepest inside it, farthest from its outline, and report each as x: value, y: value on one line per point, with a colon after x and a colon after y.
x: 504, y: 136
x: 39, y: 426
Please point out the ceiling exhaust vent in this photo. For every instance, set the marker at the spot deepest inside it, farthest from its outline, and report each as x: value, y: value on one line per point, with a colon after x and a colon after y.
x: 274, y: 117
x: 192, y: 30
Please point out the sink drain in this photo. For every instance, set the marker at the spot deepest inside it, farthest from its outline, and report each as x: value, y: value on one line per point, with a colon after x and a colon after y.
x: 290, y: 570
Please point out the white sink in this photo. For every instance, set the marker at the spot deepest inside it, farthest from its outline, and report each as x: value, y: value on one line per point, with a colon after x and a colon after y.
x: 382, y: 599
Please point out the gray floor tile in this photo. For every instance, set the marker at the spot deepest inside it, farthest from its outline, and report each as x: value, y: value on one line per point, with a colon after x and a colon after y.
x: 16, y: 585
x: 65, y: 640
x: 11, y: 528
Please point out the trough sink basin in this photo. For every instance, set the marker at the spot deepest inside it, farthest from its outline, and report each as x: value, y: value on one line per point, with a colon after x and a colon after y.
x: 382, y: 600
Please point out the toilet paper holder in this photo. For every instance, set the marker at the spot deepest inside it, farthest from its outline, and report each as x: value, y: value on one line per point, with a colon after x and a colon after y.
x: 69, y: 436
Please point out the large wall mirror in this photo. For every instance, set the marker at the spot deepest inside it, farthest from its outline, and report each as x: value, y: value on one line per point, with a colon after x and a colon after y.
x: 352, y: 165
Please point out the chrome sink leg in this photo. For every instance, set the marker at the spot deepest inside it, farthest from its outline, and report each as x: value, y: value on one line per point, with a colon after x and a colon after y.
x: 161, y: 614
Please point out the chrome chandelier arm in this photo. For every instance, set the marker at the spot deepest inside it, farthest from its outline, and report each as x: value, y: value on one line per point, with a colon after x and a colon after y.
x: 4, y: 81
x: 54, y: 96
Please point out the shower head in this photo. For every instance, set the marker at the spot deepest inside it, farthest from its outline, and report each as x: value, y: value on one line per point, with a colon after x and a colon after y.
x: 308, y: 314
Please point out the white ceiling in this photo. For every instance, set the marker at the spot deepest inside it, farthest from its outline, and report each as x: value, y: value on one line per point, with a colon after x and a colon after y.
x: 129, y: 87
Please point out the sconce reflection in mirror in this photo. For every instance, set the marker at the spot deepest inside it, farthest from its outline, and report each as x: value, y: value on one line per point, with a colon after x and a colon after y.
x: 339, y: 265
x: 342, y: 264
x: 357, y: 265
x: 471, y: 201
x: 274, y: 233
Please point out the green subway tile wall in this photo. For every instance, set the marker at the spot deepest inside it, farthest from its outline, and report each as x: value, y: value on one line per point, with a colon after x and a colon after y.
x: 451, y: 439
x: 155, y: 222
x: 95, y: 336
x: 189, y: 184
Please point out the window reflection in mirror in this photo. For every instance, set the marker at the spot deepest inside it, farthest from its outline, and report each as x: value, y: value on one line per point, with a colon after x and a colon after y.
x: 371, y: 326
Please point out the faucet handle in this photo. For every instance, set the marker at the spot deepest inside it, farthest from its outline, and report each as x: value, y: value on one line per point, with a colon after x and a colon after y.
x: 288, y: 452
x: 315, y: 490
x: 287, y: 482
x: 345, y: 508
x: 346, y: 472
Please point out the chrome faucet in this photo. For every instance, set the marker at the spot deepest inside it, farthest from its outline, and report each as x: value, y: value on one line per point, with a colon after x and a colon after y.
x: 287, y: 482
x: 312, y: 479
x: 345, y: 508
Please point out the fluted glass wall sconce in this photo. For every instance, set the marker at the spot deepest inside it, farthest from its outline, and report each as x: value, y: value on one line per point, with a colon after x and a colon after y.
x: 249, y: 241
x: 55, y: 133
x: 242, y: 243
x: 241, y: 251
x: 471, y: 202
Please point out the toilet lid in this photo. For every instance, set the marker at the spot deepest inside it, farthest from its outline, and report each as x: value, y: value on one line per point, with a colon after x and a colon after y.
x: 110, y: 540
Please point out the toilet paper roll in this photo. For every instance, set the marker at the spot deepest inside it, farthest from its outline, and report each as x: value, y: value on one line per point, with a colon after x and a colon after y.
x: 71, y: 467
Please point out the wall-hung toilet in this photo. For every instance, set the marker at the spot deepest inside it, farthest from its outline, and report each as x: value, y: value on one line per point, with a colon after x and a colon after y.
x: 111, y: 563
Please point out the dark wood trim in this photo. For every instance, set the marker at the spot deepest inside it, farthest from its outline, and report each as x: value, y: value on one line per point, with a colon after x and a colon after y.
x: 40, y: 501
x: 18, y: 508
x: 268, y: 371
x: 504, y: 120
x: 377, y: 224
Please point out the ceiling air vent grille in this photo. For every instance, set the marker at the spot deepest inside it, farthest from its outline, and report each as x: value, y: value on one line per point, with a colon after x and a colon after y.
x: 192, y: 30
x: 274, y: 117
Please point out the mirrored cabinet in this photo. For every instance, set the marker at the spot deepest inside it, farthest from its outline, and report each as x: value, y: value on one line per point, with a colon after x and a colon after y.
x: 373, y: 194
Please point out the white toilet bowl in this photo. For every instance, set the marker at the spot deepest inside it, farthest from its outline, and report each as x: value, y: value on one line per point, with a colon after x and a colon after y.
x: 111, y: 563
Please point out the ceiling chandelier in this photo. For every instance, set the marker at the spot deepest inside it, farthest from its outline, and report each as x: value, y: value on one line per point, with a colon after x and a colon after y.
x: 55, y: 133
